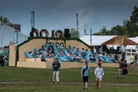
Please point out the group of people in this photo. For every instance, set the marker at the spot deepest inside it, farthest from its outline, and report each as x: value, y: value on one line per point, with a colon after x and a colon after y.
x: 63, y: 54
x: 85, y: 73
x: 98, y: 72
x: 3, y: 60
x: 134, y: 61
x: 72, y: 54
x: 57, y: 52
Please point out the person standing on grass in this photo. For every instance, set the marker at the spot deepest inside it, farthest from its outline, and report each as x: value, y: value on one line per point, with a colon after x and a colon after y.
x: 85, y: 73
x: 120, y: 70
x: 99, y: 73
x: 125, y: 70
x: 136, y: 62
x: 56, y: 68
x: 132, y: 60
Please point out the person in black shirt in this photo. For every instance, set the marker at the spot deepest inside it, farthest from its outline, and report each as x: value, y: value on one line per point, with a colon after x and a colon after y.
x: 56, y: 68
x: 125, y: 71
x: 120, y: 70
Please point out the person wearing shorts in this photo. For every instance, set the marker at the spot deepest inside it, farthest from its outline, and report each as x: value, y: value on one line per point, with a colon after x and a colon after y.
x: 85, y: 73
x: 99, y: 73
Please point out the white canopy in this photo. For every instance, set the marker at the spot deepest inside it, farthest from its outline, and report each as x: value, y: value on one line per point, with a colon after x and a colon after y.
x: 135, y: 39
x: 96, y: 40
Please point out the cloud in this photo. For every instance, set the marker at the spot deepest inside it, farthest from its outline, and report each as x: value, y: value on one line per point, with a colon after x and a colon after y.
x: 60, y: 14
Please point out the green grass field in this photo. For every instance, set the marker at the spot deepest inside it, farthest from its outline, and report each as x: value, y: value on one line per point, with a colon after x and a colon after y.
x: 13, y: 79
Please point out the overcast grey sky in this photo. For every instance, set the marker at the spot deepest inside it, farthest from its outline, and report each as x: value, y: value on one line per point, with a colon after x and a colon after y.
x: 61, y: 14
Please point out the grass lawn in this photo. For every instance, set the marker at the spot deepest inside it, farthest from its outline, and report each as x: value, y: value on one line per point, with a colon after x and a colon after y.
x: 64, y: 88
x: 40, y: 80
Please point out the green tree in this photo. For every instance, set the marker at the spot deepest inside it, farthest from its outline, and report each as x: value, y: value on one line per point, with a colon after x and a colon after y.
x: 117, y: 30
x: 129, y: 28
x: 97, y: 33
x: 103, y: 31
x: 4, y: 20
x: 131, y: 25
x: 74, y: 33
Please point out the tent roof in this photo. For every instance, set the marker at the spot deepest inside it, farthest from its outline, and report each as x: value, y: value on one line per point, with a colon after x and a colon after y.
x: 120, y: 40
x: 135, y: 39
x: 97, y: 40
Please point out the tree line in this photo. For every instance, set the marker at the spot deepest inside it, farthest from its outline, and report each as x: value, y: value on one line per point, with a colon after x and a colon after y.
x: 5, y: 20
x: 129, y: 27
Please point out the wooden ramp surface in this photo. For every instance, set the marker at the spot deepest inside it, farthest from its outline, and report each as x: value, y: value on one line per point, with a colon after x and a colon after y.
x: 36, y: 63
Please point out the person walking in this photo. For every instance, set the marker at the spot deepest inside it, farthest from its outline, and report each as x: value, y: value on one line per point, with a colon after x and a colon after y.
x: 99, y: 73
x: 136, y: 62
x: 56, y: 67
x: 125, y: 70
x: 120, y: 70
x: 85, y: 73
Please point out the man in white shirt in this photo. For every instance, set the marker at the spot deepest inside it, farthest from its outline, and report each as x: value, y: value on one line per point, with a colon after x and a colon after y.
x: 99, y: 72
x: 94, y: 51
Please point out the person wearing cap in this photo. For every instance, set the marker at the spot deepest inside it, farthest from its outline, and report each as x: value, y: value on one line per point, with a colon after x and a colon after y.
x: 99, y: 73
x: 56, y: 68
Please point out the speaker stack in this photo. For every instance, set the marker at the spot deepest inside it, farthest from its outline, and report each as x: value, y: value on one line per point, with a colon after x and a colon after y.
x: 53, y: 33
x: 66, y: 33
x: 31, y: 33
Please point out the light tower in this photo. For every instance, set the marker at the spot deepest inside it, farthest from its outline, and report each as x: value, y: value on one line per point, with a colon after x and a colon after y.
x: 32, y: 19
x: 85, y: 29
x: 91, y: 36
x: 77, y: 22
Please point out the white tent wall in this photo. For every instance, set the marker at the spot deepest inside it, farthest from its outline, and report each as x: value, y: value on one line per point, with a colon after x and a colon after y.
x: 7, y: 35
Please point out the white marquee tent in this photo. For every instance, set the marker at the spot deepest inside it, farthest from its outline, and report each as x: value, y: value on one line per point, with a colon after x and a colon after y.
x: 96, y: 40
x: 135, y: 39
x: 7, y: 34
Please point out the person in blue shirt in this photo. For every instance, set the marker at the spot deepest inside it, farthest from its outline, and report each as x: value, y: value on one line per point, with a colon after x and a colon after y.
x: 56, y: 68
x: 43, y: 58
x: 85, y: 73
